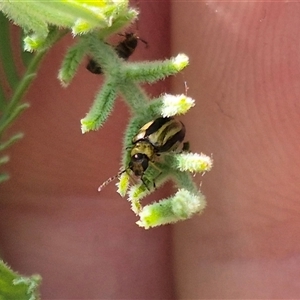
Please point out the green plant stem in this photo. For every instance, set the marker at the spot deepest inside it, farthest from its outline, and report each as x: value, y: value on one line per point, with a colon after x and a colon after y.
x: 27, y: 79
x: 6, y: 53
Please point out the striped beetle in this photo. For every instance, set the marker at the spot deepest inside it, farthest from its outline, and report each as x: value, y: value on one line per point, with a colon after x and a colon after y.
x: 155, y: 137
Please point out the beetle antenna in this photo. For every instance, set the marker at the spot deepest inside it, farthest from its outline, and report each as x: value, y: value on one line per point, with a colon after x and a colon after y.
x: 145, y: 42
x: 109, y: 180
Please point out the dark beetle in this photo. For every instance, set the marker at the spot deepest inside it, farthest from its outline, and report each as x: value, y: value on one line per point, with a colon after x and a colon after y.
x: 124, y: 50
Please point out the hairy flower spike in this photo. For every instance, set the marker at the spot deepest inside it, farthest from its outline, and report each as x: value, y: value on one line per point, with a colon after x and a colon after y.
x: 79, y: 16
x: 176, y: 105
x: 15, y: 286
x: 137, y: 192
x: 193, y: 162
x: 180, y: 61
x: 71, y: 63
x: 101, y: 108
x: 123, y: 184
x: 153, y: 71
x: 81, y: 27
x: 185, y: 204
x: 150, y: 142
x: 33, y: 42
x: 182, y: 206
x: 136, y: 206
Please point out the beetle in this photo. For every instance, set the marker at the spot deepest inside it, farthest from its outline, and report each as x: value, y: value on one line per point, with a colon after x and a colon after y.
x: 124, y: 50
x: 155, y: 137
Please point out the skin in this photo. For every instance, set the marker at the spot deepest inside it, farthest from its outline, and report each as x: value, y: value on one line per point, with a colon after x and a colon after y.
x: 244, y: 75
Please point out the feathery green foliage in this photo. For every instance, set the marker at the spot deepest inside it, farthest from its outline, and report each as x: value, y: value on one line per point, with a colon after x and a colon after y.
x: 16, y: 287
x: 93, y: 23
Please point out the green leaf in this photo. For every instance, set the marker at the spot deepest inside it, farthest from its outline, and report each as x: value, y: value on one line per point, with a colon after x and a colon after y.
x: 16, y: 287
x: 101, y: 108
x: 10, y: 141
x: 3, y: 177
x: 71, y: 63
x: 6, y: 52
x: 4, y: 159
x: 11, y: 108
x: 12, y: 116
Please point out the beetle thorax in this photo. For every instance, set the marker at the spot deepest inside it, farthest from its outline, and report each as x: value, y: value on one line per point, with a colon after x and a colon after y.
x: 143, y: 147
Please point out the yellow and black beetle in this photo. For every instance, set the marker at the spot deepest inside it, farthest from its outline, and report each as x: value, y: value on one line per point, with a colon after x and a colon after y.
x: 155, y: 137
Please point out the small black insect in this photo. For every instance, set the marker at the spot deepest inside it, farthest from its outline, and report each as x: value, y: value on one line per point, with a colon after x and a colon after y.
x: 124, y: 50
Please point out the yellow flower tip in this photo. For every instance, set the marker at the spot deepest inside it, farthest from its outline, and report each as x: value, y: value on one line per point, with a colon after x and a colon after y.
x: 147, y: 218
x: 64, y: 84
x: 33, y: 43
x: 186, y: 204
x: 137, y: 192
x: 81, y: 27
x: 176, y: 105
x: 182, y: 206
x: 62, y: 79
x: 206, y: 163
x: 86, y: 126
x: 157, y: 214
x: 194, y: 162
x: 136, y: 207
x: 123, y: 184
x: 142, y: 224
x: 180, y: 61
x: 84, y: 129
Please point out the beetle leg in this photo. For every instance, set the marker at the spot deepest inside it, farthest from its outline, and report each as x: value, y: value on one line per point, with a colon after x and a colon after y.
x: 159, y: 170
x: 144, y: 183
x: 186, y: 146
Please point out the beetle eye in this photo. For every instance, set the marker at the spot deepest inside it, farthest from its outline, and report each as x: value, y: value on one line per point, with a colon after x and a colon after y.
x: 145, y: 163
x: 139, y: 163
x: 141, y: 159
x: 138, y: 156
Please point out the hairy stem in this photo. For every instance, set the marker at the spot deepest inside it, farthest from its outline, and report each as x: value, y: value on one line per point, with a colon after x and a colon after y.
x: 25, y: 82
